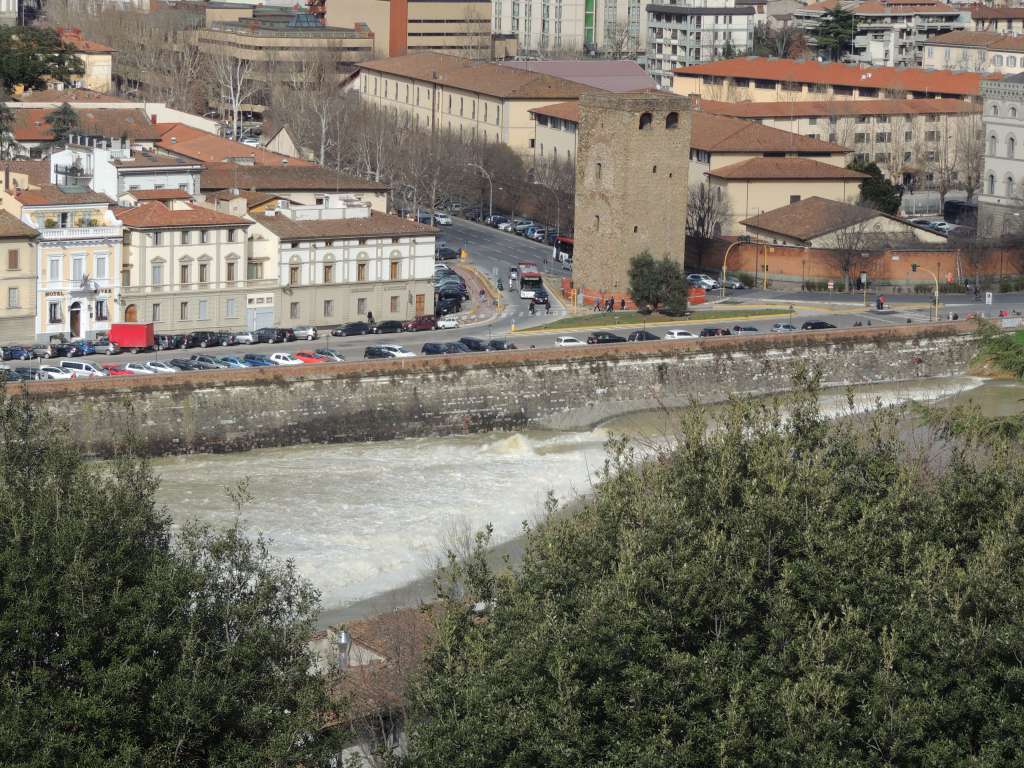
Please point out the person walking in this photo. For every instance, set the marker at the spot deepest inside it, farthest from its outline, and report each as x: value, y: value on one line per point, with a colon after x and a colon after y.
x: 369, y: 317
x: 622, y: 305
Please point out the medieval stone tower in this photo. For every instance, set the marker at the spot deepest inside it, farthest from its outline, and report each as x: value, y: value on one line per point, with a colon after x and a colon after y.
x: 632, y: 164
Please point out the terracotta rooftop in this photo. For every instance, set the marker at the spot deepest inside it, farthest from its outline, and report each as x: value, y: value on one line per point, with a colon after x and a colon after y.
x: 605, y: 74
x: 154, y: 215
x: 12, y: 226
x: 30, y: 124
x: 48, y: 194
x: 277, y: 178
x: 252, y: 199
x: 990, y: 13
x: 375, y: 225
x: 69, y: 96
x: 989, y: 40
x: 37, y: 171
x: 186, y: 141
x: 145, y: 159
x: 567, y: 110
x: 478, y: 77
x: 765, y: 168
x: 73, y: 38
x: 811, y: 218
x: 760, y: 109
x: 911, y: 79
x: 158, y: 194
x: 719, y: 133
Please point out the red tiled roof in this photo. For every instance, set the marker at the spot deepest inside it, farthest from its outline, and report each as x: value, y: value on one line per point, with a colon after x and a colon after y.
x: 37, y: 171
x: 69, y: 96
x: 186, y: 141
x: 989, y: 13
x: 375, y: 225
x: 815, y: 216
x: 891, y: 78
x: 756, y: 109
x: 988, y: 40
x: 718, y: 133
x: 30, y: 124
x: 765, y: 168
x: 158, y: 194
x: 12, y: 226
x: 156, y: 215
x: 49, y: 194
x: 567, y: 110
x: 73, y: 37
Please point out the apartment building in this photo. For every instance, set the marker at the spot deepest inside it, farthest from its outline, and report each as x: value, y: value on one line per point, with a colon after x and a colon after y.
x: 414, y: 26
x: 615, y: 28
x: 903, y: 136
x: 17, y: 279
x: 34, y: 138
x: 1001, y: 201
x: 76, y: 254
x: 1003, y: 19
x: 97, y: 61
x: 888, y: 34
x: 114, y: 167
x: 305, y: 185
x: 185, y: 267
x: 976, y: 52
x: 754, y: 78
x: 475, y: 100
x: 338, y: 262
x: 683, y: 34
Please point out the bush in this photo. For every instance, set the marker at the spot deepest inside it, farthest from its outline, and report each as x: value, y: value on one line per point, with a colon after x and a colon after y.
x: 744, y: 277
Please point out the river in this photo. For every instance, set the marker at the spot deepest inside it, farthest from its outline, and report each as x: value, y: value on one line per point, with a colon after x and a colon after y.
x: 362, y: 520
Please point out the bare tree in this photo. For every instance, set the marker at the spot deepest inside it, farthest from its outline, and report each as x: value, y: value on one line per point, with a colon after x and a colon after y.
x: 851, y: 250
x: 233, y: 84
x: 707, y: 213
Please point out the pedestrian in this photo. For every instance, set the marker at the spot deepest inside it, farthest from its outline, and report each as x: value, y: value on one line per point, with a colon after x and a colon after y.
x: 622, y: 305
x: 369, y: 317
x: 597, y: 305
x: 609, y: 305
x: 533, y: 309
x: 547, y: 307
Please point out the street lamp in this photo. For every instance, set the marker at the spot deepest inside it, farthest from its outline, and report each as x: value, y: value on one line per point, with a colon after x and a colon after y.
x: 558, y: 217
x: 725, y: 260
x: 490, y: 184
x: 935, y: 308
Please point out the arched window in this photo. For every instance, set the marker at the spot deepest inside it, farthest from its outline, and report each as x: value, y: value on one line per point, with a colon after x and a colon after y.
x: 995, y: 110
x: 997, y: 60
x: 597, y: 223
x: 1011, y: 61
x: 1013, y: 111
x: 597, y: 172
x: 992, y: 145
x: 131, y: 314
x: 646, y: 121
x: 991, y: 184
x: 1009, y: 186
x: 672, y: 120
x: 1011, y: 146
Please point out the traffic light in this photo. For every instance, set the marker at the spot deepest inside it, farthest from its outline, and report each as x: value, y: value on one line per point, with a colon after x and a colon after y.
x: 913, y: 267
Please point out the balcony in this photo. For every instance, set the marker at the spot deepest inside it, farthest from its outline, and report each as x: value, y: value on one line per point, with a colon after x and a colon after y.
x: 79, y: 233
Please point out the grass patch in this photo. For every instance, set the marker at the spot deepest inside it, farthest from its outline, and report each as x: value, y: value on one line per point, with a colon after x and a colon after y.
x: 635, y: 319
x: 1003, y: 351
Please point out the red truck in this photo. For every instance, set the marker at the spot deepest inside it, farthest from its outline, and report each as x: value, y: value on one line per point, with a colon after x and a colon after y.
x: 132, y: 337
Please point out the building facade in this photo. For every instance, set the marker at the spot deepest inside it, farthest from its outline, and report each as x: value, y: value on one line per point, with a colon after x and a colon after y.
x: 97, y: 61
x: 17, y: 280
x: 1001, y: 201
x: 1005, y: 19
x: 976, y: 52
x: 632, y: 149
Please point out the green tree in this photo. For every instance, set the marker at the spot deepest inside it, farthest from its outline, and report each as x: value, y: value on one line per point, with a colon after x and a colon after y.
x: 123, y: 643
x: 6, y: 132
x: 657, y: 283
x: 877, y: 191
x: 62, y: 121
x: 32, y: 56
x: 779, y: 590
x: 835, y: 32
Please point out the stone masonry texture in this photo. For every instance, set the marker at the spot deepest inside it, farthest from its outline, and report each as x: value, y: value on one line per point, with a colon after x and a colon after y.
x: 631, y: 185
x: 234, y: 410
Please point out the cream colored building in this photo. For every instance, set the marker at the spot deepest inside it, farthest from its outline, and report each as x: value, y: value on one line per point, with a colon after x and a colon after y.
x: 305, y: 184
x: 474, y: 100
x: 17, y: 279
x: 414, y: 26
x: 185, y: 267
x: 976, y: 52
x: 97, y: 62
x: 337, y: 264
x: 77, y: 256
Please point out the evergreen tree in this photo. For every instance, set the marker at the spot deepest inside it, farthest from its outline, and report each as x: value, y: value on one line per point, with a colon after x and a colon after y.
x: 62, y: 121
x: 6, y: 132
x: 835, y: 32
x: 32, y: 56
x: 876, y: 191
x: 657, y: 283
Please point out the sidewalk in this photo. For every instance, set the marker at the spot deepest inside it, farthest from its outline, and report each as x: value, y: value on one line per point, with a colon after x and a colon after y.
x: 478, y: 311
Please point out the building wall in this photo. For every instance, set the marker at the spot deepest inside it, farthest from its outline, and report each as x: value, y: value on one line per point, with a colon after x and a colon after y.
x: 620, y: 169
x: 17, y: 290
x: 749, y: 89
x: 98, y: 72
x: 752, y: 197
x: 1001, y: 201
x: 542, y: 26
x: 413, y: 26
x: 554, y: 139
x: 973, y: 59
x: 692, y: 35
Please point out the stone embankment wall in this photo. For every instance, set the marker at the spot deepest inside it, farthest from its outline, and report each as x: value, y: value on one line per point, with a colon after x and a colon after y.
x: 236, y: 410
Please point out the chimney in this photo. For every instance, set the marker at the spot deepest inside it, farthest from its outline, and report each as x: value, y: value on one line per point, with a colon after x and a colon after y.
x: 152, y: 118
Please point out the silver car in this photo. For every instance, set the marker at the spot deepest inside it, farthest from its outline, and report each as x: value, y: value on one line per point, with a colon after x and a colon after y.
x: 245, y: 337
x: 305, y: 332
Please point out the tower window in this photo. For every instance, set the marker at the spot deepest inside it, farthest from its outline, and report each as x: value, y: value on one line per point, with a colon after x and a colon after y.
x: 597, y: 171
x: 672, y: 120
x: 597, y: 223
x: 646, y: 121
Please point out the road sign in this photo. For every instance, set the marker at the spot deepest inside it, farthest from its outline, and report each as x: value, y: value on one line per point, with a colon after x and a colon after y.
x: 988, y: 298
x: 831, y: 285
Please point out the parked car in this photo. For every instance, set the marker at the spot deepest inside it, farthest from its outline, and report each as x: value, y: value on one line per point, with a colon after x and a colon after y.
x: 184, y: 365
x: 357, y: 328
x: 232, y: 362
x: 703, y: 281
x: 161, y: 366
x: 306, y: 333
x: 271, y: 335
x: 500, y: 345
x: 48, y: 351
x: 53, y: 372
x: 202, y: 339
x: 495, y: 220
x: 310, y: 357
x: 387, y: 351
x: 603, y: 337
x: 739, y: 330
x: 28, y: 374
x: 105, y: 346
x: 568, y: 341
x: 140, y: 369
x: 708, y: 332
x: 447, y: 306
x: 201, y: 365
x: 212, y: 362
x: 538, y: 234
x: 675, y: 334
x: 523, y: 225
x: 425, y: 217
x: 226, y: 338
x: 389, y: 326
x: 331, y: 356
x: 444, y: 253
x: 82, y: 369
x: 642, y: 336
x: 816, y: 325
x: 783, y: 328
x: 117, y: 370
x: 81, y: 348
x: 447, y: 323
x: 258, y: 361
x: 734, y: 285
x: 178, y: 341
x: 17, y: 352
x: 245, y: 337
x: 283, y: 358
x: 11, y: 375
x: 442, y: 219
x: 163, y: 341
x: 421, y: 323
x: 474, y: 345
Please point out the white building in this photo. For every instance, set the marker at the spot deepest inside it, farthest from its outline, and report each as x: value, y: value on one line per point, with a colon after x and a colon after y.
x: 545, y: 27
x: 115, y: 168
x: 1001, y: 202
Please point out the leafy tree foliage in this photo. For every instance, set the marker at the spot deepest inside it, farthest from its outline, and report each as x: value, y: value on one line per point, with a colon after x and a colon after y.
x: 29, y: 56
x: 657, y: 283
x: 6, y: 132
x: 62, y: 121
x: 781, y: 590
x: 835, y: 32
x: 124, y: 644
x: 877, y: 191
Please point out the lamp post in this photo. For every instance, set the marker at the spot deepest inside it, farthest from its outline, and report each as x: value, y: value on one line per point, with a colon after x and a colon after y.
x: 725, y: 260
x: 558, y: 217
x: 935, y: 307
x: 490, y: 185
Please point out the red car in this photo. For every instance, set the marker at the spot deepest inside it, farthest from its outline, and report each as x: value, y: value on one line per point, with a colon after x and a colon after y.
x: 310, y: 357
x: 117, y: 370
x: 421, y: 323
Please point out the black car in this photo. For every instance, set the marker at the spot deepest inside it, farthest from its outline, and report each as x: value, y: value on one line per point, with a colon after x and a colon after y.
x: 432, y: 348
x: 445, y: 253
x: 270, y: 335
x: 708, y: 332
x: 388, y: 326
x: 741, y: 329
x: 353, y: 329
x: 377, y: 352
x: 289, y: 333
x: 816, y: 325
x: 226, y: 339
x: 183, y: 365
x: 603, y: 337
x: 6, y: 374
x: 202, y: 339
x: 28, y: 374
x: 473, y: 345
x: 498, y: 345
x: 178, y: 341
x: 540, y: 296
x: 163, y: 341
x: 642, y: 336
x: 447, y: 306
x: 442, y: 348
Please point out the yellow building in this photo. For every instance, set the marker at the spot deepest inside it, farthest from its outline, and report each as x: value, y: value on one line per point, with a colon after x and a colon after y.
x: 97, y: 61
x: 17, y: 280
x: 474, y: 100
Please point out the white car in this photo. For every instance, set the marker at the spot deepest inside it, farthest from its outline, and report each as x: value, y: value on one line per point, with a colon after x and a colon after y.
x: 53, y: 372
x: 447, y: 323
x: 251, y: 141
x: 245, y: 337
x: 82, y: 369
x: 159, y: 366
x: 283, y: 358
x: 442, y: 219
x: 568, y: 341
x: 703, y: 281
x: 677, y: 334
x: 783, y: 328
x: 396, y: 350
x: 139, y: 368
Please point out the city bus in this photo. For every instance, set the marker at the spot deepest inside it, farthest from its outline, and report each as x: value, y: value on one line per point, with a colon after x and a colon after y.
x: 529, y: 279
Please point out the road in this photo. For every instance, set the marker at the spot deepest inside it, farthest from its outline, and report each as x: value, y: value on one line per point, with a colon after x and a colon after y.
x: 493, y: 252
